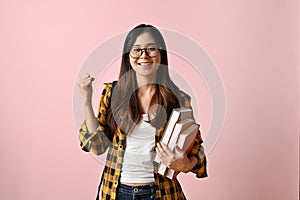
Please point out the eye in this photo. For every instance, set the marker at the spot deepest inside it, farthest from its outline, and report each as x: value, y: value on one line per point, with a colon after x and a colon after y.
x: 136, y: 49
x: 151, y: 48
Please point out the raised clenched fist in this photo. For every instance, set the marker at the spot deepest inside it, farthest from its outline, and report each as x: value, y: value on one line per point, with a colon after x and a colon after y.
x: 86, y: 88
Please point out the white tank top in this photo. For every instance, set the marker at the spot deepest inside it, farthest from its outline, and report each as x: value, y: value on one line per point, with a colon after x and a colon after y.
x: 138, y: 161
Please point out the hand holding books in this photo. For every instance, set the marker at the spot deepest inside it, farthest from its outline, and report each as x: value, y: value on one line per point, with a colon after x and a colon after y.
x: 181, y: 130
x: 175, y: 162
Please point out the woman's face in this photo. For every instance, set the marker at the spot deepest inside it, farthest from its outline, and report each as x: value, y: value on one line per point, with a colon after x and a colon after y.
x: 144, y: 65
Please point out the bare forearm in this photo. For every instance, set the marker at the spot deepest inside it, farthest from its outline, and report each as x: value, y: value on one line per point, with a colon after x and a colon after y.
x: 90, y: 119
x: 85, y: 85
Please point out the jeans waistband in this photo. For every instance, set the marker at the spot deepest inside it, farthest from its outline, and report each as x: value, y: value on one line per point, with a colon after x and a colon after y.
x: 136, y: 189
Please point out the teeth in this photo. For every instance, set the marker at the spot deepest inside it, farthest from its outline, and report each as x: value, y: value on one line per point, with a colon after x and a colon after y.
x: 144, y: 63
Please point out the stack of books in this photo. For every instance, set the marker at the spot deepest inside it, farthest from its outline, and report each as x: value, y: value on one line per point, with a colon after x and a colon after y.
x: 181, y: 130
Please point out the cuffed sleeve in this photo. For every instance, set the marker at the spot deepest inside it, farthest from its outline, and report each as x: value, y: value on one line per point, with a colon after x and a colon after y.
x: 198, y: 151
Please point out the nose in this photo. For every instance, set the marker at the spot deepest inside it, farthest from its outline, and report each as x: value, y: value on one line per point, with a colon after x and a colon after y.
x: 143, y: 53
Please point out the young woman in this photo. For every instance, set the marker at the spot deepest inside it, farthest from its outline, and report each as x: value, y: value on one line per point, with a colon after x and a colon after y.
x: 132, y: 115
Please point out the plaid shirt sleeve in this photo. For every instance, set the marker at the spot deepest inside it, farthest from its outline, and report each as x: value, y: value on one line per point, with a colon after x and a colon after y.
x: 198, y: 152
x: 98, y: 141
x: 197, y: 149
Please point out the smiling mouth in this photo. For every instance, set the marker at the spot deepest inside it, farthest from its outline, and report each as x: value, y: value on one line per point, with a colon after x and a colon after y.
x: 145, y: 63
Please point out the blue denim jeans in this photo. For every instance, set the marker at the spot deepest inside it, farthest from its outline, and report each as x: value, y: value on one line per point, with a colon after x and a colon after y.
x: 126, y: 192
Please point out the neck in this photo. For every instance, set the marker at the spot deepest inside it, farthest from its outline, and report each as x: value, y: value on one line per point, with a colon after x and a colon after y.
x: 146, y: 85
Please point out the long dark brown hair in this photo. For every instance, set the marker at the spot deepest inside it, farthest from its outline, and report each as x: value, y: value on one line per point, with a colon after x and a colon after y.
x: 125, y: 110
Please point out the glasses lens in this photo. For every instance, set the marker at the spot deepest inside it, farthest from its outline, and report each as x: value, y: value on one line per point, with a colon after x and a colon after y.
x: 135, y: 52
x: 152, y: 51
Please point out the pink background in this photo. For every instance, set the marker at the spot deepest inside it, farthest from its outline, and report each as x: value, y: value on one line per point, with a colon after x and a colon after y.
x: 254, y: 44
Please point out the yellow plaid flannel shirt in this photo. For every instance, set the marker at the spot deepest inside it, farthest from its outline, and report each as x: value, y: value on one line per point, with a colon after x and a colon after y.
x: 102, y: 139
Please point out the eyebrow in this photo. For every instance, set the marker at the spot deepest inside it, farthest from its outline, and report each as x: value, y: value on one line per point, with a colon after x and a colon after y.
x: 146, y: 44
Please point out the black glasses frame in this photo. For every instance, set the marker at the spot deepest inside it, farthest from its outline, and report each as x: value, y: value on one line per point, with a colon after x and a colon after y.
x: 146, y: 52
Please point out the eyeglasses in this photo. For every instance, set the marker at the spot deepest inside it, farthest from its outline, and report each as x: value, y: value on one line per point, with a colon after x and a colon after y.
x: 137, y: 52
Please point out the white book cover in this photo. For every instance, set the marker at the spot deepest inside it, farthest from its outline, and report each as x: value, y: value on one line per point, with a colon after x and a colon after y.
x: 185, y: 141
x: 177, y: 115
x: 187, y: 137
x: 179, y: 128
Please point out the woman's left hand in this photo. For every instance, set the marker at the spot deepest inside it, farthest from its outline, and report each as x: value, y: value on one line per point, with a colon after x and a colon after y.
x: 176, y: 161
